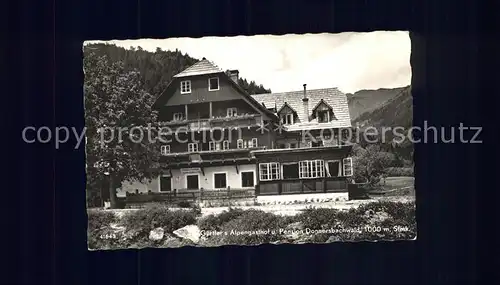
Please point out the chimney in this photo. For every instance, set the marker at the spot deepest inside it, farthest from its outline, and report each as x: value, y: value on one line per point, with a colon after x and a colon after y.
x: 234, y: 75
x: 305, y: 102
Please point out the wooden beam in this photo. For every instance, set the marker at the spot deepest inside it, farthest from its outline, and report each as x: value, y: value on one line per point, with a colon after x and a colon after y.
x: 237, y: 170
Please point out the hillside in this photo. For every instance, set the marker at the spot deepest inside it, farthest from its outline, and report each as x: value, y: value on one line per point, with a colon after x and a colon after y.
x: 397, y: 111
x: 157, y: 68
x: 367, y: 100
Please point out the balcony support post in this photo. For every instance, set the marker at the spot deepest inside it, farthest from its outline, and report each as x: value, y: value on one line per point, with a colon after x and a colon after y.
x: 210, y: 109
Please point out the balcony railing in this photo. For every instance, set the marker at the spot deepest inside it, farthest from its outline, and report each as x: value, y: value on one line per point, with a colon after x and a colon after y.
x: 300, y: 186
x: 221, y: 122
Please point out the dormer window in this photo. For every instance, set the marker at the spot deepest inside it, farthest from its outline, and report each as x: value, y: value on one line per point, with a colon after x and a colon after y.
x: 287, y: 114
x: 323, y: 116
x: 287, y: 119
x: 323, y: 112
x: 213, y: 84
x: 185, y: 86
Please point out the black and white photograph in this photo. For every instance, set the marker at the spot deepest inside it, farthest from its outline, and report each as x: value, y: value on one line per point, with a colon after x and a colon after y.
x: 249, y: 140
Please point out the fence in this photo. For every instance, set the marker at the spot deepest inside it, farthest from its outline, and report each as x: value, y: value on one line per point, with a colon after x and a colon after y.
x: 189, y: 195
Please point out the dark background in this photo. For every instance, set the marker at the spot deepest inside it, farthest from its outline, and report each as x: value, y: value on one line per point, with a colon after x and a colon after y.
x: 45, y: 203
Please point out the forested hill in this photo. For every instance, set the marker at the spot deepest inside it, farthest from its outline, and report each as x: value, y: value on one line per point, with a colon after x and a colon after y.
x: 157, y: 68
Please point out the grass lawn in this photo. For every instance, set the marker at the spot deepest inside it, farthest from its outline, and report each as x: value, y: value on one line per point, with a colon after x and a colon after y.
x: 403, y: 183
x: 397, y: 182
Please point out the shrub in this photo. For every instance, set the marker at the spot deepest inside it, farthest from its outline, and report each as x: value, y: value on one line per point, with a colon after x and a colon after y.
x: 144, y: 220
x: 397, y: 210
x: 99, y: 233
x: 400, y: 214
x: 184, y: 204
x: 215, y: 222
x: 100, y: 218
x: 400, y: 171
x: 316, y: 218
x: 253, y: 220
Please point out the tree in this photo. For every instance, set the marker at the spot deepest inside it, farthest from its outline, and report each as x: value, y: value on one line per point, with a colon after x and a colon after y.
x: 117, y: 111
x: 370, y: 163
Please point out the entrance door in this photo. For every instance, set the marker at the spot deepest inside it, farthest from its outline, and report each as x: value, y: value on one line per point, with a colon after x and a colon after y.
x: 165, y: 184
x: 192, y: 182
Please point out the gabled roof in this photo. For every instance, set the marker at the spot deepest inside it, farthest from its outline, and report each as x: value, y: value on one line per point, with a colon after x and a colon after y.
x: 319, y: 103
x: 331, y: 96
x: 202, y: 67
x: 285, y: 105
x: 206, y: 67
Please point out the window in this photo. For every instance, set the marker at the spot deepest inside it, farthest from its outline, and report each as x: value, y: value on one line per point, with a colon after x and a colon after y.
x: 323, y: 116
x: 192, y: 182
x: 292, y: 145
x: 287, y: 119
x: 213, y: 84
x: 247, y: 179
x: 165, y: 184
x: 178, y: 116
x: 213, y: 146
x: 269, y: 171
x: 252, y: 143
x: 231, y: 112
x: 239, y: 143
x: 185, y: 86
x: 333, y: 168
x: 347, y: 162
x: 311, y: 169
x: 290, y: 170
x: 192, y: 147
x: 220, y: 180
x: 165, y: 149
x: 225, y: 145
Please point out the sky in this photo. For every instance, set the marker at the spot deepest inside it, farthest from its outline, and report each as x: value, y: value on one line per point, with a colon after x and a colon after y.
x: 349, y: 61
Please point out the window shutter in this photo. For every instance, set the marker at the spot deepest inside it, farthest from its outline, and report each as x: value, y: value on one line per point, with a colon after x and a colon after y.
x: 347, y: 166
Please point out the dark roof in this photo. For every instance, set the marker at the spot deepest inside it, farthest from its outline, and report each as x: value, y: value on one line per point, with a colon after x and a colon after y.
x: 331, y: 96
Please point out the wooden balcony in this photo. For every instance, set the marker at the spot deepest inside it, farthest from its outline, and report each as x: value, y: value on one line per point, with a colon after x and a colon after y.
x: 208, y: 158
x: 302, y: 186
x: 241, y: 121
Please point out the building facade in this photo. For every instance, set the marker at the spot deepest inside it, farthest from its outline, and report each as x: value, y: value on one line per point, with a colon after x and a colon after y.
x: 221, y: 138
